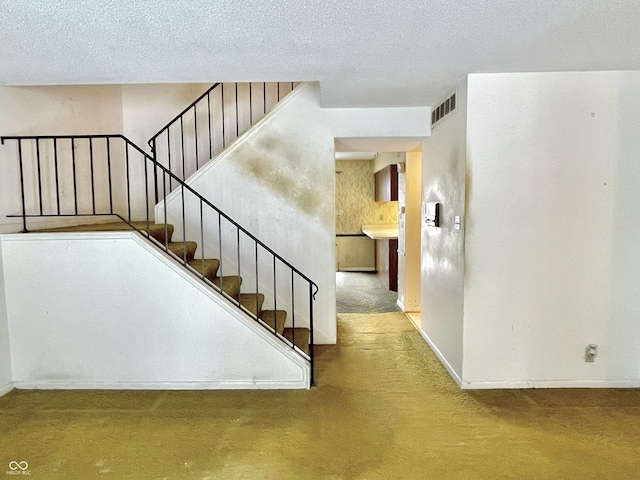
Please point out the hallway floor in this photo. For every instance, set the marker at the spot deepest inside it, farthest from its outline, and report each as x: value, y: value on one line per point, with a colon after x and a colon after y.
x: 363, y: 292
x: 384, y: 408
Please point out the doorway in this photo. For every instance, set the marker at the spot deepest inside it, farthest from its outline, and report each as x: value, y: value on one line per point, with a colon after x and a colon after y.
x: 359, y: 289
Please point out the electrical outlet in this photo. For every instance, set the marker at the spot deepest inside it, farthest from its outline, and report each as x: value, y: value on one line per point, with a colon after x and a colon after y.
x: 591, y: 352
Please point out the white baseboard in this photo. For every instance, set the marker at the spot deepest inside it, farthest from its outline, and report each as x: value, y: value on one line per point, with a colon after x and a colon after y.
x: 441, y: 357
x: 519, y: 384
x: 221, y: 385
x: 511, y: 384
x: 357, y: 269
x: 6, y: 389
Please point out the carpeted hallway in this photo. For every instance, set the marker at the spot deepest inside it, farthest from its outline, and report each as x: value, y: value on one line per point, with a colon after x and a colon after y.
x: 384, y: 408
x: 363, y: 292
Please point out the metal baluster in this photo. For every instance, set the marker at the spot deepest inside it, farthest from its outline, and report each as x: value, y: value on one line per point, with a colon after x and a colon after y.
x: 39, y: 173
x: 311, y: 352
x: 209, y: 120
x: 275, y: 286
x: 24, y: 207
x: 93, y: 185
x: 264, y: 98
x: 202, y: 236
x: 224, y: 140
x: 182, y: 143
x: 220, y: 248
x: 169, y: 157
x: 250, y: 104
x: 146, y: 191
x: 184, y: 228
x: 293, y: 301
x: 238, y: 252
x: 237, y: 115
x: 256, y: 256
x: 109, y: 173
x: 55, y: 164
x: 126, y: 150
x: 164, y: 208
x: 155, y: 168
x: 75, y: 181
x: 195, y: 132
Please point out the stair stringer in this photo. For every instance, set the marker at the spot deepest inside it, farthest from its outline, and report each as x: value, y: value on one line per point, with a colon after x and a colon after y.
x: 276, y: 180
x: 123, y: 315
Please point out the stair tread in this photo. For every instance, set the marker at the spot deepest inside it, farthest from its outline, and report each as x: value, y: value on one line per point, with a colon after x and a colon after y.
x: 275, y: 319
x: 207, y: 267
x: 230, y: 285
x: 178, y: 249
x: 301, y: 337
x: 156, y: 230
x: 252, y: 302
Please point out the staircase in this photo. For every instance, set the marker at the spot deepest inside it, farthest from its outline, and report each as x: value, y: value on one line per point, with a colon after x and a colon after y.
x: 93, y: 176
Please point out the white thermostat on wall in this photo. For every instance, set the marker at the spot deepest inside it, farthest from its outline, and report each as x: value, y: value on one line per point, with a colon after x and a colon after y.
x: 432, y: 214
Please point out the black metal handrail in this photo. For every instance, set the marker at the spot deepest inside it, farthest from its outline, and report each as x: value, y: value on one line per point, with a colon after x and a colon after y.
x: 210, y: 123
x: 97, y: 175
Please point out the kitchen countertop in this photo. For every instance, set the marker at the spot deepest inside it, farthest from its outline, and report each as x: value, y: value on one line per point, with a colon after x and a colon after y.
x: 381, y: 232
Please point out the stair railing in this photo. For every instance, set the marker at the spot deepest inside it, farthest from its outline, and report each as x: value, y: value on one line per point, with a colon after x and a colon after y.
x: 211, y: 123
x: 108, y: 175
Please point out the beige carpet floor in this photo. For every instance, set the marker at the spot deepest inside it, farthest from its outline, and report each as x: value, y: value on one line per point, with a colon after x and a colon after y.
x: 384, y: 408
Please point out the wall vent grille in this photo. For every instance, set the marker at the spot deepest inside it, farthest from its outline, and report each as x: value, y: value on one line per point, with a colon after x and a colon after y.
x: 446, y: 108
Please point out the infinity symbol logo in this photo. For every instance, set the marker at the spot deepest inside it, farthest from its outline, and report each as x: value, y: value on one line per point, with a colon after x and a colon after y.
x: 18, y: 465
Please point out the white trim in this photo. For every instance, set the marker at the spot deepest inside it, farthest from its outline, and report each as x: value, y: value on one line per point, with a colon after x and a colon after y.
x: 503, y: 384
x: 7, y: 388
x: 441, y: 357
x: 400, y: 305
x: 219, y: 385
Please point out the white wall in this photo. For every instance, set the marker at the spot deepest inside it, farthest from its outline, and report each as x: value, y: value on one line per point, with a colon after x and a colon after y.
x: 50, y: 110
x: 129, y: 318
x: 6, y: 376
x: 146, y: 108
x: 552, y: 230
x: 443, y: 262
x: 410, y: 235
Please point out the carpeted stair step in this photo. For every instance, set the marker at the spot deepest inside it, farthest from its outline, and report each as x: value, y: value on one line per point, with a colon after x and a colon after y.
x: 298, y: 336
x: 156, y: 230
x: 275, y: 319
x: 230, y: 285
x: 252, y: 302
x: 207, y: 267
x: 179, y: 249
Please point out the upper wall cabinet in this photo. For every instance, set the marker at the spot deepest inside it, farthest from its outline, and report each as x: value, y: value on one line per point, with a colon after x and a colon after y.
x: 387, y: 184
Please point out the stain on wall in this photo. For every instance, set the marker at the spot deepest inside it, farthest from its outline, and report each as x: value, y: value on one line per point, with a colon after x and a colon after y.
x: 284, y: 169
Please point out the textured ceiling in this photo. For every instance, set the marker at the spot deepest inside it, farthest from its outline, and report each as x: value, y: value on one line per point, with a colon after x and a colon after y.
x: 363, y: 52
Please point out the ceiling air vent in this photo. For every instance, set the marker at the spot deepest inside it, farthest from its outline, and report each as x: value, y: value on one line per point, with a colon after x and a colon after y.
x: 446, y: 108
